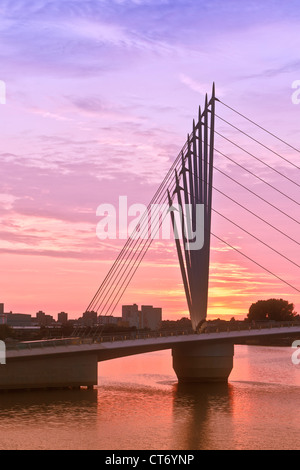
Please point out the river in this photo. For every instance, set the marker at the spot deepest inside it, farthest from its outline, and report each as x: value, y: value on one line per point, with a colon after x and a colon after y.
x: 138, y: 405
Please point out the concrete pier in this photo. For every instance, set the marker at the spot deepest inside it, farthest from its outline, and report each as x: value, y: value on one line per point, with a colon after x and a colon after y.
x: 203, y: 362
x: 49, y: 372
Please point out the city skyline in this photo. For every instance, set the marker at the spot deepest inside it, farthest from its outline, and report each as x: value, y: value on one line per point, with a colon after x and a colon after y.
x: 63, y: 314
x: 100, y: 107
x: 147, y: 317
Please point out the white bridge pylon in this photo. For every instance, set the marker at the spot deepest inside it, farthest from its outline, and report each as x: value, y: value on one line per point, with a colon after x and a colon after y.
x: 193, y: 195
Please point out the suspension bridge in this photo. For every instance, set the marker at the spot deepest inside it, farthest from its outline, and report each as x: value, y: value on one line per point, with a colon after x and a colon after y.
x: 185, y: 196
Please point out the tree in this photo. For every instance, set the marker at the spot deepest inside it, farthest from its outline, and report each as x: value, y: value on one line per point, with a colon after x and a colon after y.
x: 272, y: 309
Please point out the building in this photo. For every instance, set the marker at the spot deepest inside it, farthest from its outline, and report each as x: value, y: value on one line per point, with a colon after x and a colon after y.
x: 131, y: 315
x: 40, y: 317
x: 18, y: 319
x: 148, y: 317
x: 14, y: 319
x: 108, y: 320
x: 62, y: 318
x: 89, y: 318
x: 44, y: 320
x: 151, y: 317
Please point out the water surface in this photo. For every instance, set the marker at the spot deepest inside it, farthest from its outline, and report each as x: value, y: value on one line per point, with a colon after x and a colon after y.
x: 138, y: 404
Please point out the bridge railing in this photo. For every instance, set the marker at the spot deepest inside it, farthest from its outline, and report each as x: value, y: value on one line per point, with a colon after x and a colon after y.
x: 48, y: 343
x: 142, y: 335
x: 74, y: 341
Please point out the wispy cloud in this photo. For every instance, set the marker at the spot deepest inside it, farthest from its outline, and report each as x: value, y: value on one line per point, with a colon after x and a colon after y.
x: 199, y: 87
x: 100, y: 97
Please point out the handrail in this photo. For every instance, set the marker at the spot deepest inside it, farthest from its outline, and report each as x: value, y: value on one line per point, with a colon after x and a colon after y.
x: 74, y: 341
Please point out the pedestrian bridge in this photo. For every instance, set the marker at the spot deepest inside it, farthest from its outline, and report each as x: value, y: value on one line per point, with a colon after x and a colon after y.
x: 201, y: 357
x: 72, y: 362
x: 116, y: 346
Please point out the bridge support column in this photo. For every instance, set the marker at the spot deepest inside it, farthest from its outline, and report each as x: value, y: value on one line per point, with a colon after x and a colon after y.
x: 203, y: 363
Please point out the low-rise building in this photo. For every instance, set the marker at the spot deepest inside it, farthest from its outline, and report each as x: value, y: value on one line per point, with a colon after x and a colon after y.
x: 89, y: 318
x: 18, y: 319
x: 44, y: 320
x: 108, y: 320
x: 14, y: 319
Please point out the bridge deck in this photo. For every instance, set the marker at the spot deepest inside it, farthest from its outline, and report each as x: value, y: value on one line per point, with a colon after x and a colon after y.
x: 106, y: 350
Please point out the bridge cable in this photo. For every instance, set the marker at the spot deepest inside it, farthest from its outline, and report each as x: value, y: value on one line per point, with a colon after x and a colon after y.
x: 257, y: 141
x: 137, y: 260
x: 248, y: 257
x: 261, y: 161
x: 149, y: 244
x: 130, y: 239
x: 128, y: 242
x: 138, y: 241
x: 253, y: 213
x: 143, y: 254
x: 265, y: 130
x: 126, y: 254
x: 98, y: 295
x: 256, y: 238
x: 111, y: 272
x: 128, y: 279
x: 162, y: 186
x: 130, y: 274
x: 255, y: 194
x: 256, y: 176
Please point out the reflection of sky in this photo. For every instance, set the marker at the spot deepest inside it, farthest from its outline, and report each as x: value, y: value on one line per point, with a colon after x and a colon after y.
x: 100, y: 97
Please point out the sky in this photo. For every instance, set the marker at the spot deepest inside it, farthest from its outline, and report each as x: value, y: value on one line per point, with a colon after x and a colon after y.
x: 99, y: 98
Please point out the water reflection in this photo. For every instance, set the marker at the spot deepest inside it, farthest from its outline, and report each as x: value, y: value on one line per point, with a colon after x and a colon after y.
x: 46, y: 419
x: 138, y: 404
x: 43, y: 399
x: 195, y: 407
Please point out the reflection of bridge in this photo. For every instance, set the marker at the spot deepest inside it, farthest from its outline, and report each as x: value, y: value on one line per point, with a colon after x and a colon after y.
x: 196, y: 357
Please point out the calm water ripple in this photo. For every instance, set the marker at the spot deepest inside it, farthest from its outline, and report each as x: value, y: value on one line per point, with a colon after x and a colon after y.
x: 138, y: 404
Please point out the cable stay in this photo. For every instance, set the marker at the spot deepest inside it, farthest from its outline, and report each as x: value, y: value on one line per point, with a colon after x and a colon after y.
x: 197, y: 155
x: 262, y: 128
x: 257, y: 216
x: 256, y: 238
x: 257, y: 141
x: 257, y: 195
x: 257, y: 177
x: 261, y: 161
x: 253, y: 261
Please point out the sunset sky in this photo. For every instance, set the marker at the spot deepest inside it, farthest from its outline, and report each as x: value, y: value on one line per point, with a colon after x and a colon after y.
x: 100, y: 96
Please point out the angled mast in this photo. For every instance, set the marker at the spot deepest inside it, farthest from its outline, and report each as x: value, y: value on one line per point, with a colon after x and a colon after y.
x: 194, y: 199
